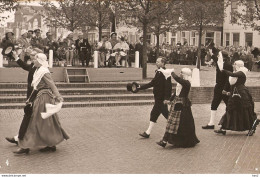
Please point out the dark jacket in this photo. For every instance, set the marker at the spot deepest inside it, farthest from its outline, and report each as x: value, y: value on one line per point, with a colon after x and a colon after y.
x: 139, y: 48
x: 83, y: 46
x: 31, y: 70
x: 162, y: 88
x: 222, y: 77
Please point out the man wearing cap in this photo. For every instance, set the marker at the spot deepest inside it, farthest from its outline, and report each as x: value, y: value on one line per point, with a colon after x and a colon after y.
x: 29, y: 36
x: 162, y: 88
x: 31, y: 69
x: 83, y: 48
x: 37, y: 40
x: 49, y: 44
x: 222, y: 86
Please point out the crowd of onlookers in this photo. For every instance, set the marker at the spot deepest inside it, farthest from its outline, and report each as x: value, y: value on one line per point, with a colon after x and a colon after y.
x: 188, y: 54
x: 117, y: 51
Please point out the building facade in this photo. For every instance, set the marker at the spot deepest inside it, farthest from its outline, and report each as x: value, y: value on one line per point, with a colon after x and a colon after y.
x: 237, y: 35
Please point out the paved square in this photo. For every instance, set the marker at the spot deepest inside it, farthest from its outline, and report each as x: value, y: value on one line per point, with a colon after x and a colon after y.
x: 106, y: 140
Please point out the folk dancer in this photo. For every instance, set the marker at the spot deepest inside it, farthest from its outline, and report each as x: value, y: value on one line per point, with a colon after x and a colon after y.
x: 41, y: 132
x: 162, y: 88
x: 239, y: 115
x: 180, y: 128
x: 222, y: 85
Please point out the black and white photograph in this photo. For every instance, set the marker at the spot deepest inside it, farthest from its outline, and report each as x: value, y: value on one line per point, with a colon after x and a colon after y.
x: 129, y: 87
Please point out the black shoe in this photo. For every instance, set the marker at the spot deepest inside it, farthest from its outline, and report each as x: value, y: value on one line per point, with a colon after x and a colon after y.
x: 22, y: 151
x: 11, y: 140
x: 48, y: 149
x: 161, y: 143
x: 220, y: 131
x: 144, y: 134
x: 208, y: 127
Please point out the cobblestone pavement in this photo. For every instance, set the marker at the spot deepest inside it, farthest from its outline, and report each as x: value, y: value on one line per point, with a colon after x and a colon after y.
x: 106, y: 140
x: 207, y: 74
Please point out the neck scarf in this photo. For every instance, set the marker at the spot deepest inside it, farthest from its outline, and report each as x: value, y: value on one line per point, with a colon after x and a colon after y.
x: 233, y: 80
x: 38, y: 74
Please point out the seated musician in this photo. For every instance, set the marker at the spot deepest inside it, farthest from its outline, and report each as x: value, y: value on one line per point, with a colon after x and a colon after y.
x: 104, y: 47
x: 120, y: 50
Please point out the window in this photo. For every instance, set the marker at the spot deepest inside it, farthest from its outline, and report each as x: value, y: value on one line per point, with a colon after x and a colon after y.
x: 209, y: 37
x: 183, y: 37
x: 248, y: 39
x: 91, y: 38
x: 164, y: 37
x: 193, y: 38
x: 149, y: 39
x: 233, y: 10
x: 173, y: 38
x: 236, y: 39
x: 227, y: 39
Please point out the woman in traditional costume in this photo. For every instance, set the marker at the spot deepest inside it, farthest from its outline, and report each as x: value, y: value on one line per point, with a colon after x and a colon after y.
x: 180, y: 128
x: 239, y: 115
x: 42, y: 133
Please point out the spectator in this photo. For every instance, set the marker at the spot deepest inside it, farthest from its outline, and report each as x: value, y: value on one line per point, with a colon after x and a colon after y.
x: 50, y: 44
x: 121, y: 49
x: 104, y: 47
x: 69, y: 47
x: 113, y: 39
x: 139, y: 48
x: 24, y: 43
x: 37, y: 40
x: 83, y: 47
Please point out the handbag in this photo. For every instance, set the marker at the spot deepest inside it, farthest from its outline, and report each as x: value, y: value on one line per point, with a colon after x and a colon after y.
x: 236, y: 100
x: 235, y: 94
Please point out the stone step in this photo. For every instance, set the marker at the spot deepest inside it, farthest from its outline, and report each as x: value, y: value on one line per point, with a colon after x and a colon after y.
x: 74, y: 91
x: 85, y: 98
x: 86, y: 104
x: 74, y: 85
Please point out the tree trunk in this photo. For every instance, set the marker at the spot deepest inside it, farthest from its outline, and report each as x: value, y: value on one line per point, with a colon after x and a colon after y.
x: 99, y: 27
x: 157, y: 45
x: 113, y: 28
x: 199, y: 47
x: 145, y: 49
x: 99, y: 32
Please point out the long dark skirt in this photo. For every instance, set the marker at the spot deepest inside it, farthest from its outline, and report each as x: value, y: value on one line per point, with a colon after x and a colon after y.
x: 186, y: 136
x: 240, y: 114
x: 43, y: 132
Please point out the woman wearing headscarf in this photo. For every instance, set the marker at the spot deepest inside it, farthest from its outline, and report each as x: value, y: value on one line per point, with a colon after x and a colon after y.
x: 239, y: 115
x: 180, y: 128
x: 42, y: 133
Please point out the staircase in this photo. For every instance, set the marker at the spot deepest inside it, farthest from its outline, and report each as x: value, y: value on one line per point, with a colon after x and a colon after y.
x: 99, y: 94
x: 76, y: 75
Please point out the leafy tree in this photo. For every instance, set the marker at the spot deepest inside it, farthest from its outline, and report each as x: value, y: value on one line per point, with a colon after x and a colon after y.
x: 248, y: 15
x: 97, y: 14
x: 167, y: 19
x: 146, y: 12
x: 7, y: 5
x: 67, y: 14
x: 200, y: 14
